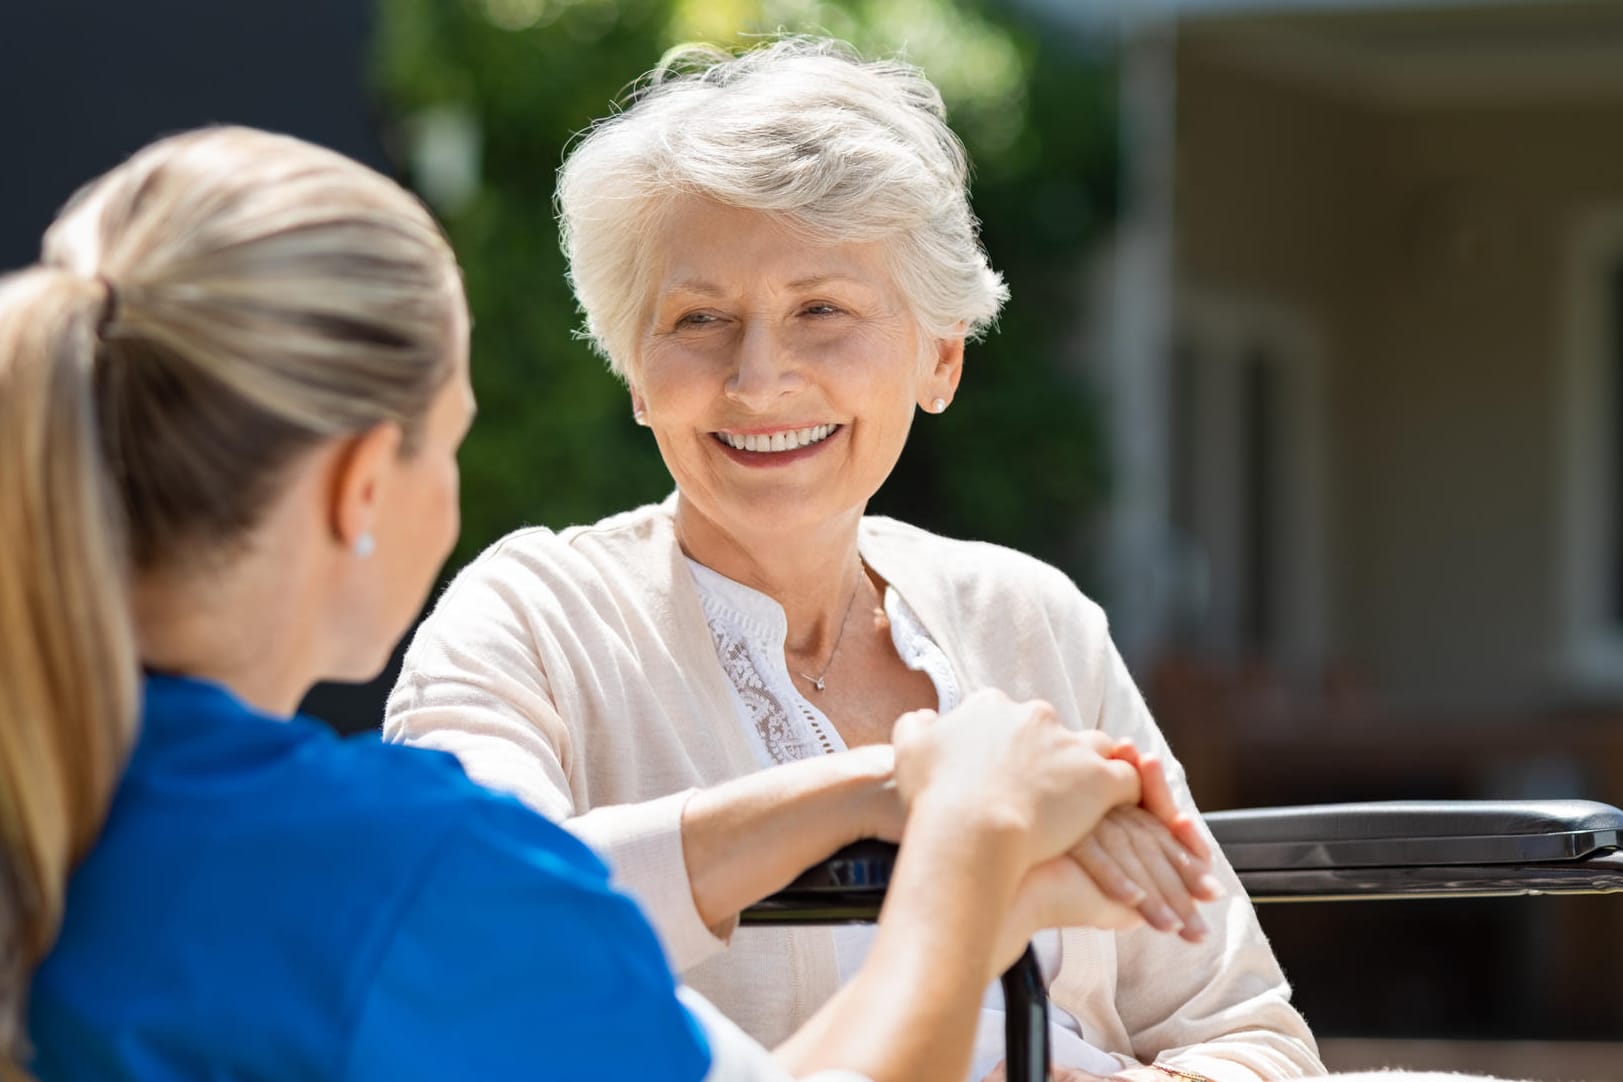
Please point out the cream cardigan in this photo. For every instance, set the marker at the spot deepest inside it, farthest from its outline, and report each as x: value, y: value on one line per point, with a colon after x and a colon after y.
x: 576, y: 671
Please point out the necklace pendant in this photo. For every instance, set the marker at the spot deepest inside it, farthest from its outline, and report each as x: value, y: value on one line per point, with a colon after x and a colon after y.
x: 818, y: 683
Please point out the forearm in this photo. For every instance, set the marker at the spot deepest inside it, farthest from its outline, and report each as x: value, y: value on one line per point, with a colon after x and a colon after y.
x: 910, y: 1013
x: 746, y: 838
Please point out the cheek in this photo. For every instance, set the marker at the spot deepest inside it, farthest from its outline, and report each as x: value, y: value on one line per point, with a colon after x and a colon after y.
x: 448, y: 507
x: 430, y: 520
x: 673, y: 377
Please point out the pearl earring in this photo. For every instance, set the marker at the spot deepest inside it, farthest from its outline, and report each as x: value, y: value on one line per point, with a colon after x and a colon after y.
x: 640, y: 417
x: 365, y: 545
x: 938, y: 405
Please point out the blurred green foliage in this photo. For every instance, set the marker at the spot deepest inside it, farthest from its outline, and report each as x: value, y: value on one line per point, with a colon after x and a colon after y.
x: 484, y: 95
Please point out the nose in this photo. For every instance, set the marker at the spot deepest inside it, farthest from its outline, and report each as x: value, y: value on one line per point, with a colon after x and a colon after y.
x: 764, y: 368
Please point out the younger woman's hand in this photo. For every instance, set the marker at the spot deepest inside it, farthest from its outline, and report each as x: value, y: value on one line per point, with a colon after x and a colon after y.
x: 1057, y: 893
x: 1011, y: 768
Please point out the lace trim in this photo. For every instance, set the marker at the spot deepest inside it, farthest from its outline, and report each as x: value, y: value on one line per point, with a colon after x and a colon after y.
x: 920, y: 652
x: 776, y: 732
x: 747, y: 630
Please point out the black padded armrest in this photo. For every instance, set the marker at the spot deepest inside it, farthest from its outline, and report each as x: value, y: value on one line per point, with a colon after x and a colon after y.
x: 1325, y: 852
x: 1415, y: 833
x: 847, y: 888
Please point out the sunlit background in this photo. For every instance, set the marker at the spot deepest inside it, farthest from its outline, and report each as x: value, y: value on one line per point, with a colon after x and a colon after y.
x: 1313, y: 375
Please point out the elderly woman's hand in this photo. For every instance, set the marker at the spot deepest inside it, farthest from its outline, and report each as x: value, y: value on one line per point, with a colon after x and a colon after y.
x: 880, y: 812
x: 1152, y: 857
x: 1135, y: 860
x: 1156, y: 797
x: 1148, y: 863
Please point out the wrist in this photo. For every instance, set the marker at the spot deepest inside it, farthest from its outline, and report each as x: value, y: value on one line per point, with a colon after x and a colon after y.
x: 866, y: 786
x: 990, y: 836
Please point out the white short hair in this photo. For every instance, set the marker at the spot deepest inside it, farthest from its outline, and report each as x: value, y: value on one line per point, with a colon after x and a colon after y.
x: 842, y: 149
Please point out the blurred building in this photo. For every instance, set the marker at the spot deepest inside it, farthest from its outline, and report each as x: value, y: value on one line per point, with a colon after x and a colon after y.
x: 1365, y: 359
x: 1364, y: 365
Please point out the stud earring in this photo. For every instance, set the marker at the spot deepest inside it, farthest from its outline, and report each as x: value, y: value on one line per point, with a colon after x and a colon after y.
x: 640, y: 416
x: 938, y: 405
x: 365, y: 545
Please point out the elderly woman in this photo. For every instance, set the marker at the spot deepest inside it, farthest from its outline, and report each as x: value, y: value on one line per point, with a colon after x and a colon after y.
x: 775, y: 252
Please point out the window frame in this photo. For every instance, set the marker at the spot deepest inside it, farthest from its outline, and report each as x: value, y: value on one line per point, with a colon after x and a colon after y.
x: 1589, y: 657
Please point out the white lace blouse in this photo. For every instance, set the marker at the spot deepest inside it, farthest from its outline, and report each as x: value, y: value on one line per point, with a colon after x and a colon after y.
x: 749, y: 630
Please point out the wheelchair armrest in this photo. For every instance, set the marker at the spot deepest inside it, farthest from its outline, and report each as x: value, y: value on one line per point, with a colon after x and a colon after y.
x: 847, y: 888
x: 1410, y: 833
x: 1386, y: 849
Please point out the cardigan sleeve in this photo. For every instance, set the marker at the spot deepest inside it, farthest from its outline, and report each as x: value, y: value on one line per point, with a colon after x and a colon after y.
x: 473, y: 684
x: 1219, y: 1008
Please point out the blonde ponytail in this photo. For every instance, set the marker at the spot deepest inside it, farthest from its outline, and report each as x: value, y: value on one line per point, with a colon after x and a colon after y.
x: 221, y: 302
x: 68, y: 669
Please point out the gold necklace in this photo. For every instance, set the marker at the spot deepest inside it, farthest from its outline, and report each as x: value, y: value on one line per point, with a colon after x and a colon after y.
x: 817, y: 681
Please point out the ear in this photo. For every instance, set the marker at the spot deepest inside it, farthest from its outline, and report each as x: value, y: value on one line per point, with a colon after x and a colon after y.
x: 361, y: 474
x: 945, y: 372
x: 639, y: 407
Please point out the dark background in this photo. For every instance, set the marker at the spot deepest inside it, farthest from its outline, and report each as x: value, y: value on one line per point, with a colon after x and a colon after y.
x: 85, y: 83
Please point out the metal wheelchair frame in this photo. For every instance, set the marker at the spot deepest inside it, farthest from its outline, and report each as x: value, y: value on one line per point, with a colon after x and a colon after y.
x: 1324, y: 852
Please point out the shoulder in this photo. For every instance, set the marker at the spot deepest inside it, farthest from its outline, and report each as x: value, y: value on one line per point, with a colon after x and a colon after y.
x: 977, y: 573
x: 464, y: 849
x: 515, y: 939
x: 537, y: 569
x: 417, y: 786
x: 328, y: 845
x: 406, y: 807
x: 491, y: 850
x: 539, y: 550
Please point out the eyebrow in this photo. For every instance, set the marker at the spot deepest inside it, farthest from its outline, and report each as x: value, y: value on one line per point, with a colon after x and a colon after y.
x: 710, y: 289
x: 692, y: 285
x: 824, y: 279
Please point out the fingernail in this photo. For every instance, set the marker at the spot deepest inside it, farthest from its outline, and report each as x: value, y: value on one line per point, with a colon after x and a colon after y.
x: 1163, y: 918
x: 1195, y: 925
x: 1210, y: 886
x: 1134, y: 893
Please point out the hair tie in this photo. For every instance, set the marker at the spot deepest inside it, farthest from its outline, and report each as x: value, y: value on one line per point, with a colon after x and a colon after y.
x: 109, y: 306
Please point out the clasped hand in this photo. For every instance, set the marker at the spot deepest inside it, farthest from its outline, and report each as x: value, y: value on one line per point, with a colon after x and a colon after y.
x: 1098, y: 832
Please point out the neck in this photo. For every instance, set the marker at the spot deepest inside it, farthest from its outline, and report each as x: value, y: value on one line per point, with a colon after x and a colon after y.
x: 243, y: 624
x: 813, y: 574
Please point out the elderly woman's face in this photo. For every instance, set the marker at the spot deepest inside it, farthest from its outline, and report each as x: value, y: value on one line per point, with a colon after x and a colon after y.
x: 779, y: 378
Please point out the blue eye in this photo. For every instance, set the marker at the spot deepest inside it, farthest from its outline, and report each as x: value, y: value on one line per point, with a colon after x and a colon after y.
x: 821, y: 309
x: 696, y: 319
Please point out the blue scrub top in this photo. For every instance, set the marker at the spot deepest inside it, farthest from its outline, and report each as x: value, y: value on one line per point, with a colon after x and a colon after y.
x: 271, y: 902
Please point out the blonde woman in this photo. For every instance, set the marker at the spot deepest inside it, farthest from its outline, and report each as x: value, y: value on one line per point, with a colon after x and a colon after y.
x: 231, y: 396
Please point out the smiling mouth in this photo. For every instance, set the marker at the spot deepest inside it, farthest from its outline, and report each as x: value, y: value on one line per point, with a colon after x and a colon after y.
x: 791, y: 440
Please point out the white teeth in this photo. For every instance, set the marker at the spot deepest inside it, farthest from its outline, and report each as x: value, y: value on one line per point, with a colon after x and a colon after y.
x: 779, y: 441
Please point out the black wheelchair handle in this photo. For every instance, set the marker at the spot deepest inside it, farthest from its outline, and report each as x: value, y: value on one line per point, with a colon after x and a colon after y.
x: 849, y: 888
